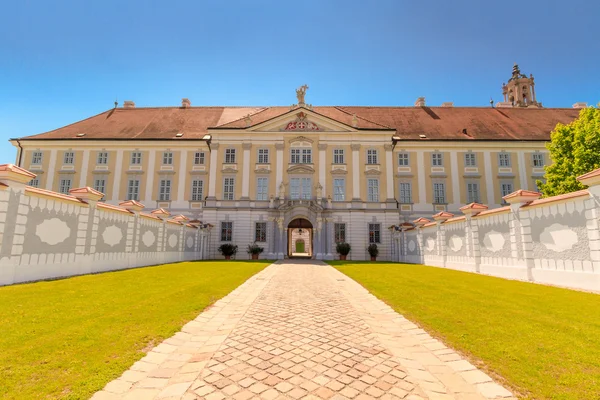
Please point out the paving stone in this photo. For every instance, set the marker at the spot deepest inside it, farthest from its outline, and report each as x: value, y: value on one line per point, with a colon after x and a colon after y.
x: 301, y: 330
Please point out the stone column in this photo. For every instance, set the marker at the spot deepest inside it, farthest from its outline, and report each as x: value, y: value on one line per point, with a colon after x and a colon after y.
x: 271, y: 238
x: 440, y: 218
x: 318, y: 242
x: 389, y: 176
x: 84, y: 168
x: 212, y: 177
x: 117, y: 176
x: 455, y: 181
x: 183, y: 174
x: 329, y: 237
x: 150, y: 176
x: 472, y: 232
x: 323, y: 167
x: 246, y: 146
x: 489, y: 180
x: 281, y: 249
x: 279, y: 164
x: 87, y: 228
x: 133, y: 227
x: 355, y: 172
x: 422, y: 203
x: 51, y: 169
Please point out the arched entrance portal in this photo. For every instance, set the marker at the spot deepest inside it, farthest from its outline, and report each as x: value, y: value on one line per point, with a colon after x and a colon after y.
x: 300, y: 238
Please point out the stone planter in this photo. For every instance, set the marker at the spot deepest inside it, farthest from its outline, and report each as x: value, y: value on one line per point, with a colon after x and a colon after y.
x: 255, y: 256
x: 373, y: 258
x: 228, y: 257
x: 343, y: 257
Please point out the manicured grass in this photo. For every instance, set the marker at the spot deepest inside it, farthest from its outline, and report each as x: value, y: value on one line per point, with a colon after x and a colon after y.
x: 544, y: 341
x: 66, y: 339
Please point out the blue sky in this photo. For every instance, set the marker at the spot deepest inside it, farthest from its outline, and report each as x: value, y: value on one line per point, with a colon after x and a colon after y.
x: 63, y: 61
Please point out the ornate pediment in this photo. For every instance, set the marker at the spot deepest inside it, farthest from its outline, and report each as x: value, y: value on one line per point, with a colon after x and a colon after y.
x: 301, y: 169
x: 301, y: 124
x: 372, y: 172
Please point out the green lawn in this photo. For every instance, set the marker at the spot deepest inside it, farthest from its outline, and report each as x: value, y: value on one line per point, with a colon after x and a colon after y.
x: 66, y: 339
x: 543, y: 340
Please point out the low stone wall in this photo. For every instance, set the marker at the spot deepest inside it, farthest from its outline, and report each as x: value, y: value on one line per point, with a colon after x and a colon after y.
x: 45, y: 235
x: 554, y: 241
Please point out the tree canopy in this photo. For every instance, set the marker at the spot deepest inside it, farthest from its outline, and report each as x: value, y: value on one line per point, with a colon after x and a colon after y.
x: 574, y: 150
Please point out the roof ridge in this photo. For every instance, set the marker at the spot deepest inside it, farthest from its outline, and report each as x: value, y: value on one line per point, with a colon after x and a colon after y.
x: 373, y: 122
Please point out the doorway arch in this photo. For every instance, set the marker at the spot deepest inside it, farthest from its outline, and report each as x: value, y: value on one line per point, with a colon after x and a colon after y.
x: 300, y: 238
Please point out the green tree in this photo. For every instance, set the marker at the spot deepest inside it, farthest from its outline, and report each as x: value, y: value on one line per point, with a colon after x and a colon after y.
x: 575, y: 150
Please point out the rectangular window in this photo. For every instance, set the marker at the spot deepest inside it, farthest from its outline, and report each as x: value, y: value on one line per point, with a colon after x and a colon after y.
x: 338, y: 156
x: 339, y: 189
x: 506, y: 188
x: 372, y: 189
x: 439, y: 193
x: 69, y: 157
x: 168, y: 158
x: 260, y: 232
x: 136, y: 158
x: 538, y: 159
x: 437, y: 160
x: 340, y: 232
x: 226, y: 231
x: 374, y: 233
x: 405, y: 193
x: 295, y: 156
x: 197, y: 189
x: 34, y: 183
x: 229, y: 156
x: 306, y: 156
x: 133, y: 189
x: 503, y: 159
x: 164, y: 190
x: 65, y: 186
x: 262, y: 188
x: 470, y: 160
x: 300, y: 188
x: 100, y: 185
x: 263, y: 156
x: 403, y: 159
x: 372, y: 157
x: 36, y: 159
x: 199, y: 158
x: 228, y: 188
x: 102, y: 158
x: 473, y: 193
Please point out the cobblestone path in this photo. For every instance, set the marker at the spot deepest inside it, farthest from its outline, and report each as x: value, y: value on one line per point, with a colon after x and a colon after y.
x: 302, y: 330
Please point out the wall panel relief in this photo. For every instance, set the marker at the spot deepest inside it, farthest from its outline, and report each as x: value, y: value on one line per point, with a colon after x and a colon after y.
x: 50, y: 231
x: 112, y: 235
x: 172, y: 240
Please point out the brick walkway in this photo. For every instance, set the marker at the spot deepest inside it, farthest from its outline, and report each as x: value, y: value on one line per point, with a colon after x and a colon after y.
x: 301, y: 330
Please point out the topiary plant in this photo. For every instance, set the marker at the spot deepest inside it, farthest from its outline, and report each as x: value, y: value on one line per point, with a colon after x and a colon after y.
x: 373, y: 251
x: 228, y: 250
x: 343, y: 249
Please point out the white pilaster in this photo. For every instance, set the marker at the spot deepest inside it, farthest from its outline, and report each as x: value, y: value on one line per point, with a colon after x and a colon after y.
x: 456, y: 203
x: 389, y: 171
x: 355, y: 172
x: 279, y: 161
x: 522, y: 171
x: 322, y: 167
x: 150, y: 176
x: 246, y: 171
x: 182, y: 175
x: 118, y: 173
x: 84, y: 169
x: 422, y: 203
x: 489, y: 180
x: 212, y: 180
x: 51, y: 169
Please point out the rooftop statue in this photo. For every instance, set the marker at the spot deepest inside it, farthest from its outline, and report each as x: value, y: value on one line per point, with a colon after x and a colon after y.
x: 300, y: 93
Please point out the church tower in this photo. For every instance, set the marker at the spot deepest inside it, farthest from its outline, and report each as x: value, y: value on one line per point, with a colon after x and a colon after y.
x: 520, y: 90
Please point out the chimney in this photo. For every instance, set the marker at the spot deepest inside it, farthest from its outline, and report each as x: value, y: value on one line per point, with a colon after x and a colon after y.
x: 128, y: 104
x: 420, y: 102
x: 580, y: 105
x: 186, y: 103
x: 447, y: 104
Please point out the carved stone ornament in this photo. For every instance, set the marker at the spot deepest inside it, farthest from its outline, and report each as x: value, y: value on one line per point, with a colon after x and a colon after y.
x: 301, y: 93
x: 282, y: 190
x: 355, y: 146
x: 279, y: 146
x: 322, y: 146
x: 246, y: 146
x: 319, y: 190
x: 301, y: 123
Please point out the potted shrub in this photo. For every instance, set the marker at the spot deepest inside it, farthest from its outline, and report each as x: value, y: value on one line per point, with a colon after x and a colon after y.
x: 343, y: 249
x: 228, y: 250
x: 373, y: 251
x: 255, y: 250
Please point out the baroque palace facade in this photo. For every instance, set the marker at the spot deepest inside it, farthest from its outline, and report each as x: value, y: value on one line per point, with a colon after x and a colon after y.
x: 298, y: 179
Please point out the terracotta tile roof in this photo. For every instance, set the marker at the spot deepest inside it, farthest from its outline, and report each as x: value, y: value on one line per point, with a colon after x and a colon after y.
x: 107, y: 206
x: 421, y: 220
x: 493, y: 211
x: 474, y: 206
x: 443, y: 215
x: 560, y: 197
x: 56, y: 195
x: 146, y: 215
x: 526, y: 194
x: 436, y: 123
x: 456, y: 219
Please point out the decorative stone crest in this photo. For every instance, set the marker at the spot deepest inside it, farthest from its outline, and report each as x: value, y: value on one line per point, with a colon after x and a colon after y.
x: 301, y: 124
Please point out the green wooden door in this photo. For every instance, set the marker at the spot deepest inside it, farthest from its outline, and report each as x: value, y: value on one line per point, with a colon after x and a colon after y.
x: 300, y: 246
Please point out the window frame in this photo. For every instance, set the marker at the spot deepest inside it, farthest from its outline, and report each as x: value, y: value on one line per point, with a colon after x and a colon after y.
x: 263, y: 156
x: 69, y: 158
x: 228, y: 188
x: 260, y: 232
x: 262, y: 195
x: 339, y: 195
x: 502, y: 192
x: 403, y: 159
x: 470, y: 159
x: 199, y: 158
x: 62, y: 187
x: 165, y: 187
x: 437, y: 159
x: 402, y: 197
x: 374, y: 229
x: 35, y: 182
x: 473, y: 192
x: 436, y: 191
x: 136, y: 158
x: 197, y: 190
x: 230, y: 156
x: 37, y: 157
x: 339, y: 156
x: 372, y: 195
x: 534, y: 161
x: 102, y: 158
x: 339, y: 230
x: 302, y: 185
x: 167, y: 158
x: 226, y: 231
x: 507, y: 160
x: 372, y: 157
x: 133, y: 191
x: 100, y: 188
